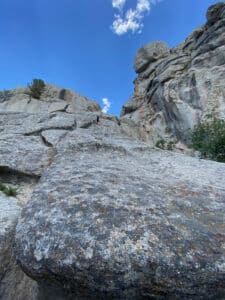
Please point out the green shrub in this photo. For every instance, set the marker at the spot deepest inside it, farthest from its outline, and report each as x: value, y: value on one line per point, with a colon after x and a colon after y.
x: 170, y: 145
x: 11, y: 191
x: 209, y: 138
x: 36, y: 88
x: 8, y: 190
x: 2, y: 187
x: 162, y: 144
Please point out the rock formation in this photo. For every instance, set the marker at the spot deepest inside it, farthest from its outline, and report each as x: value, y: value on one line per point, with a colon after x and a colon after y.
x: 52, y: 100
x: 109, y: 216
x: 112, y: 218
x: 105, y: 215
x: 29, y: 144
x: 176, y: 88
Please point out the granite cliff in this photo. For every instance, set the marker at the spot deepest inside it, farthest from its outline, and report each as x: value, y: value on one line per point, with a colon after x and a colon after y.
x: 99, y: 213
x: 177, y: 88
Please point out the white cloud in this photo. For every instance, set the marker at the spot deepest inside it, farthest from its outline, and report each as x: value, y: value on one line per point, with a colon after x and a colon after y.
x: 132, y: 19
x: 107, y: 105
x: 119, y: 4
x: 143, y: 5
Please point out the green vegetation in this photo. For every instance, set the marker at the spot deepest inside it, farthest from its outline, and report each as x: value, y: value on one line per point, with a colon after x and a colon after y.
x: 62, y: 94
x: 36, y: 88
x: 162, y: 144
x: 209, y: 138
x: 8, y: 190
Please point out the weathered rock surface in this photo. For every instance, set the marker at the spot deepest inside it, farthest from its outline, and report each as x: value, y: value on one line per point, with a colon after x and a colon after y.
x: 28, y: 145
x: 14, y: 284
x: 112, y: 218
x: 107, y: 219
x: 176, y: 89
x: 150, y: 53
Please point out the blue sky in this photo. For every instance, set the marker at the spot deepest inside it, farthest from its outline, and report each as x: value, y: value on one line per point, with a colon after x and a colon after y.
x: 88, y: 45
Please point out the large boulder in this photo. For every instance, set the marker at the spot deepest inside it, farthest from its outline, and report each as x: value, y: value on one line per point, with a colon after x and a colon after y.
x: 112, y: 218
x: 214, y: 12
x: 107, y: 219
x: 29, y: 143
x: 174, y: 92
x: 149, y: 53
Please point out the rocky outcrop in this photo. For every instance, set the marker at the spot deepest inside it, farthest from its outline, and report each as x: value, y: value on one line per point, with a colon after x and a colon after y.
x: 29, y: 145
x: 109, y: 216
x: 177, y: 88
x: 149, y: 54
x: 106, y: 218
x: 112, y: 218
x: 53, y: 99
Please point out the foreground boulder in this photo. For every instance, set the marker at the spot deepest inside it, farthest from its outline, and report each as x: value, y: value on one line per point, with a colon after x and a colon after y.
x: 112, y: 218
x: 29, y: 144
x: 176, y: 88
